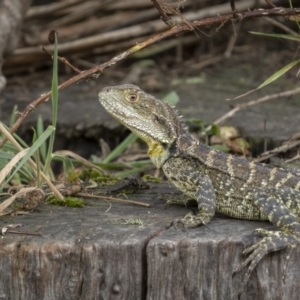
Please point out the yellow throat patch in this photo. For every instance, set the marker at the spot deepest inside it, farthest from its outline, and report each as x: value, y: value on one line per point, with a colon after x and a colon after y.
x: 155, y: 149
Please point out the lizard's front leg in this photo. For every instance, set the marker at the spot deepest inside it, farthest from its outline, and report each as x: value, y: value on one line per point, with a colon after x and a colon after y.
x: 206, y: 198
x: 275, y: 204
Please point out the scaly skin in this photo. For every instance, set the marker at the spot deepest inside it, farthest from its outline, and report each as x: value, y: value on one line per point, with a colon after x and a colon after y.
x: 217, y: 181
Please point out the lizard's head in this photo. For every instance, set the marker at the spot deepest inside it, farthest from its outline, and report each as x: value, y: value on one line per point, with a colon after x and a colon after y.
x: 154, y: 121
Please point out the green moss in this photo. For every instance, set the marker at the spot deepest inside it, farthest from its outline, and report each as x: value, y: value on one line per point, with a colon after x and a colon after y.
x: 72, y: 177
x: 69, y: 201
x: 150, y: 178
x: 16, y: 206
x: 100, y: 178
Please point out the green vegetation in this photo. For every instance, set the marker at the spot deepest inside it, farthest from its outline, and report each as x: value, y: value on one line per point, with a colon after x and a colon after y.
x: 103, y: 179
x: 68, y: 201
x: 25, y: 165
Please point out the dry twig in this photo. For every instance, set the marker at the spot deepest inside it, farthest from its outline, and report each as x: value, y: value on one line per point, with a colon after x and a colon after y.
x: 162, y: 13
x: 291, y: 143
x: 282, y: 26
x: 255, y: 102
x: 63, y: 60
x: 233, y: 8
x: 270, y: 3
x: 113, y: 199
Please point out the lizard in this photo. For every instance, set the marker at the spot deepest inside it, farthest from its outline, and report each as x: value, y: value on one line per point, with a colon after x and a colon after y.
x: 219, y: 182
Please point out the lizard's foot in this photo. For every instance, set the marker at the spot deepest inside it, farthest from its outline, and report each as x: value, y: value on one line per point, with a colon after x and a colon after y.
x: 181, y: 200
x: 272, y: 241
x: 194, y: 220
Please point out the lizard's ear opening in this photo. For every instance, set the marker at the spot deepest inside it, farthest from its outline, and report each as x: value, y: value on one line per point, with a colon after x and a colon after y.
x: 132, y: 97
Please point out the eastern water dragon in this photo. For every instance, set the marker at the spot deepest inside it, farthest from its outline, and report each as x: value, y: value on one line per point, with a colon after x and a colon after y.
x: 219, y: 182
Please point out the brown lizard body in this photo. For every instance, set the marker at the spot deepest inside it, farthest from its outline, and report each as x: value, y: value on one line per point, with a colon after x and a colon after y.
x: 217, y: 181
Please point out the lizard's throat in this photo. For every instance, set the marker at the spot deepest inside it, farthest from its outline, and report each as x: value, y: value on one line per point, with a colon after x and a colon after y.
x: 155, y: 149
x: 158, y: 153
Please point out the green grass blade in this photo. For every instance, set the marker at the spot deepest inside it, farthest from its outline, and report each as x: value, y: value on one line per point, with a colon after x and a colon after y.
x: 54, y: 87
x: 8, y: 147
x: 277, y: 35
x: 67, y: 163
x: 272, y: 78
x: 5, y: 157
x: 118, y: 150
x: 13, y: 116
x: 54, y: 99
x: 31, y: 151
x: 279, y: 73
x: 39, y: 130
x: 126, y: 173
x: 37, y: 159
x: 11, y: 164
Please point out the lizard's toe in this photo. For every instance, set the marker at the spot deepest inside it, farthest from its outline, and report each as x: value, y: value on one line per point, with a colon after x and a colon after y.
x: 262, y: 231
x: 273, y: 241
x: 193, y: 220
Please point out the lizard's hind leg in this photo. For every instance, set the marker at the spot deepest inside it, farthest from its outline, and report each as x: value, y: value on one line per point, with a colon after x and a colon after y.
x: 275, y: 203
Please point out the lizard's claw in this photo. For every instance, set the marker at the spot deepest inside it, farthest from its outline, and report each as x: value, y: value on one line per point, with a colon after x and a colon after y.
x: 273, y: 241
x: 193, y: 220
x: 256, y: 253
x: 176, y: 224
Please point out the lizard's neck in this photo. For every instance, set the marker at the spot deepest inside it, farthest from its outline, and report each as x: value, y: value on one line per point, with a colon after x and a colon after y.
x: 158, y: 153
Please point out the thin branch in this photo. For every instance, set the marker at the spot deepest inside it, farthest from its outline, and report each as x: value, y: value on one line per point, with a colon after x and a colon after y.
x: 283, y: 148
x: 23, y: 233
x: 233, y: 8
x: 113, y: 199
x: 62, y: 59
x: 232, y: 41
x: 168, y: 8
x: 42, y: 10
x: 289, y: 144
x: 282, y: 26
x: 255, y: 102
x: 293, y: 158
x: 162, y: 13
x: 271, y: 4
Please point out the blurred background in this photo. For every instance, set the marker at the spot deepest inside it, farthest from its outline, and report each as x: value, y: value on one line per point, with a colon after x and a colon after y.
x: 204, y: 67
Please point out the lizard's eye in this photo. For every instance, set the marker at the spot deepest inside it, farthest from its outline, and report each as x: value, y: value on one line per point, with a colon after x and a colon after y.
x: 132, y: 97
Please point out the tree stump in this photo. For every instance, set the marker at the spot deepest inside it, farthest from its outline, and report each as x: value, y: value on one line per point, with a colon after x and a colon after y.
x: 87, y: 253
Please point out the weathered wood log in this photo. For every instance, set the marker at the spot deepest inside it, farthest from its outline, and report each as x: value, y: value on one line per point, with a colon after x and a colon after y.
x: 87, y: 253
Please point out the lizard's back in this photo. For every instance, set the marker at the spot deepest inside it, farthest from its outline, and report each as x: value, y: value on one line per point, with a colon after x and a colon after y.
x: 234, y: 179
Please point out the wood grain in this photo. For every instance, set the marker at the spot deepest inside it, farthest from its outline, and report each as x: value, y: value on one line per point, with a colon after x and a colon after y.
x: 84, y: 254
